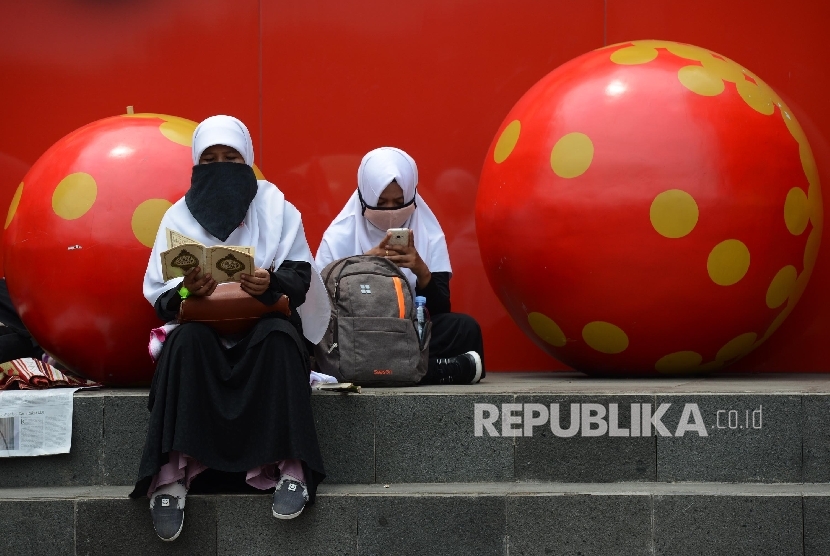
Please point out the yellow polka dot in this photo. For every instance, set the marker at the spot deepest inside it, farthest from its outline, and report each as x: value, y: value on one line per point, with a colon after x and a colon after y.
x: 800, y: 286
x: 724, y: 69
x: 700, y: 80
x: 756, y: 97
x: 652, y: 43
x: 728, y: 262
x: 736, y: 347
x: 815, y: 206
x: 507, y: 141
x: 13, y: 205
x: 178, y: 130
x: 605, y: 337
x: 571, y: 155
x: 808, y: 163
x: 546, y: 329
x: 688, y: 51
x: 674, y: 213
x: 678, y: 362
x: 258, y: 173
x: 633, y: 55
x: 781, y: 286
x: 74, y: 195
x: 796, y: 211
x: 811, y: 248
x: 146, y: 219
x: 792, y: 125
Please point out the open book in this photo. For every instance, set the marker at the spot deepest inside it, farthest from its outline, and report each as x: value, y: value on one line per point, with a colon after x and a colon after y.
x: 223, y: 262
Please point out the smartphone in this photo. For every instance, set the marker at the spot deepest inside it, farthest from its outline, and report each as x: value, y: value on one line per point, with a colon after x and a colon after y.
x: 400, y: 236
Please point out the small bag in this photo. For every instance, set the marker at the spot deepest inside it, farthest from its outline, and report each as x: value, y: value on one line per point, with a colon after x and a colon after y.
x: 229, y: 310
x: 372, y: 337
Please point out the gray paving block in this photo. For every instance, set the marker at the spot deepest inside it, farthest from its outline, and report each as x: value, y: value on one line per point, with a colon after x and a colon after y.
x: 735, y: 450
x: 580, y: 458
x: 734, y: 525
x: 245, y: 525
x: 579, y: 524
x: 432, y: 525
x: 125, y: 428
x: 81, y: 466
x: 431, y: 438
x: 816, y: 409
x: 124, y: 527
x: 38, y: 528
x: 816, y: 530
x: 346, y: 431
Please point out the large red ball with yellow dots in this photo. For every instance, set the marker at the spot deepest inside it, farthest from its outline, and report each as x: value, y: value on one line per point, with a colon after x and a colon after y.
x: 78, y: 237
x: 650, y: 207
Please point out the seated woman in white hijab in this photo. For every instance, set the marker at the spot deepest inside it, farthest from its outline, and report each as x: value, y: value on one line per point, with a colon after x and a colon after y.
x: 234, y: 404
x: 387, y: 197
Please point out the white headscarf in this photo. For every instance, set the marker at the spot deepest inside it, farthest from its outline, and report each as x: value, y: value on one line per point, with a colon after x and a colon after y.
x: 223, y: 130
x: 351, y: 234
x: 272, y: 225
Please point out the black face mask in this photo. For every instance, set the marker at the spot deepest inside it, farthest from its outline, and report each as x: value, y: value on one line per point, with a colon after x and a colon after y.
x: 219, y: 196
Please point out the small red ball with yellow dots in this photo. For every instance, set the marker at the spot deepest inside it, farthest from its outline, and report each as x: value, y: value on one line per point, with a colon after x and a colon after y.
x: 649, y: 207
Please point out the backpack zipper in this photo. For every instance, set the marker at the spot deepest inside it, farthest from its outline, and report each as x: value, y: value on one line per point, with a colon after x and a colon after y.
x: 337, y: 283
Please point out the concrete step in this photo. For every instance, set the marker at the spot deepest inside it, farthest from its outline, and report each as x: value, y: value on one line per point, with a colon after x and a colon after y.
x: 449, y: 518
x: 739, y: 428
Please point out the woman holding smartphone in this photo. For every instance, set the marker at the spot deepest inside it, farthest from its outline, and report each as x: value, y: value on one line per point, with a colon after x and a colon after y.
x: 386, y: 200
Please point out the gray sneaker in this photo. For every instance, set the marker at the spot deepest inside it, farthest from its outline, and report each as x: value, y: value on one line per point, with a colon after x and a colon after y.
x: 289, y: 498
x: 168, y: 518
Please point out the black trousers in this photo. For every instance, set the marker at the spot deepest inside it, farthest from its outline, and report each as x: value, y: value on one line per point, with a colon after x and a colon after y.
x: 453, y: 334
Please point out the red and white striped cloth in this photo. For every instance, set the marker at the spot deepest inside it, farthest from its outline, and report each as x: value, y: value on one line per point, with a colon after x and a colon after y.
x: 31, y: 374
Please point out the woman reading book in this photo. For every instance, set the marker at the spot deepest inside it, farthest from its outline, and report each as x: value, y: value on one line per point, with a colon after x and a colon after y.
x: 238, y: 404
x: 387, y: 198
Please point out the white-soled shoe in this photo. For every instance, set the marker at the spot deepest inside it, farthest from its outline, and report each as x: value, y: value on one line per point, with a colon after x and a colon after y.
x: 290, y: 498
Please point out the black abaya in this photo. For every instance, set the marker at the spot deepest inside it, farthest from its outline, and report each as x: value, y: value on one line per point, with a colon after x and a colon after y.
x: 235, y: 409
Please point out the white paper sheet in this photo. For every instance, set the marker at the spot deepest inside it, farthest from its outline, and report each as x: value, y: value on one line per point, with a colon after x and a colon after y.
x: 36, y: 422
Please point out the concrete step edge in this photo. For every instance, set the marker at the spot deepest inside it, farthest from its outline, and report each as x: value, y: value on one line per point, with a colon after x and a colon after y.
x: 466, y: 490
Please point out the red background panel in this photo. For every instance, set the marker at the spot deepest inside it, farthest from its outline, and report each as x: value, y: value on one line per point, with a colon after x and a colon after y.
x: 66, y: 63
x: 322, y: 82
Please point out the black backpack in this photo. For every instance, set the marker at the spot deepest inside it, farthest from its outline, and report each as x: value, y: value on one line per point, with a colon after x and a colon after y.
x: 372, y: 338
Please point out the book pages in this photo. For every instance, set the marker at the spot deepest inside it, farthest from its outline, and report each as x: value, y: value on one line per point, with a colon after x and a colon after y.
x: 225, y: 263
x: 174, y: 239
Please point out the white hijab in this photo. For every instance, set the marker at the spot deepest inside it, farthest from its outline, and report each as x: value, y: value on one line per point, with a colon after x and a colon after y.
x: 272, y: 225
x: 351, y: 234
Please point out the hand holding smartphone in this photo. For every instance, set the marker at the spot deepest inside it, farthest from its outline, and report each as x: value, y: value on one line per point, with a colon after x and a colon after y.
x: 400, y: 236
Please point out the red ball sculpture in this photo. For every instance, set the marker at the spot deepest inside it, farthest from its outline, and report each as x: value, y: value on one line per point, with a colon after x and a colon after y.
x: 650, y: 207
x: 78, y: 236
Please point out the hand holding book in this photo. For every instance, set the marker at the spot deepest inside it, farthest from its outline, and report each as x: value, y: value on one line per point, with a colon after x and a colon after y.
x: 223, y: 263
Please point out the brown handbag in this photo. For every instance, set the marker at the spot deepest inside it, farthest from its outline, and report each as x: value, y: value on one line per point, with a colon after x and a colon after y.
x: 229, y: 310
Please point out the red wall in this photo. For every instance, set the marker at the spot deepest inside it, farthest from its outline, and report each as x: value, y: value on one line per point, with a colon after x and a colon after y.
x: 321, y: 82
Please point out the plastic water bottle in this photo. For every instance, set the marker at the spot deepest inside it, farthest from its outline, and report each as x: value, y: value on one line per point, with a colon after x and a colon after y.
x: 421, y: 316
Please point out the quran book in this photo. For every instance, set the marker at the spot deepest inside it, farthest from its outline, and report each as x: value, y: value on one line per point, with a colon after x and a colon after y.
x: 224, y: 263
